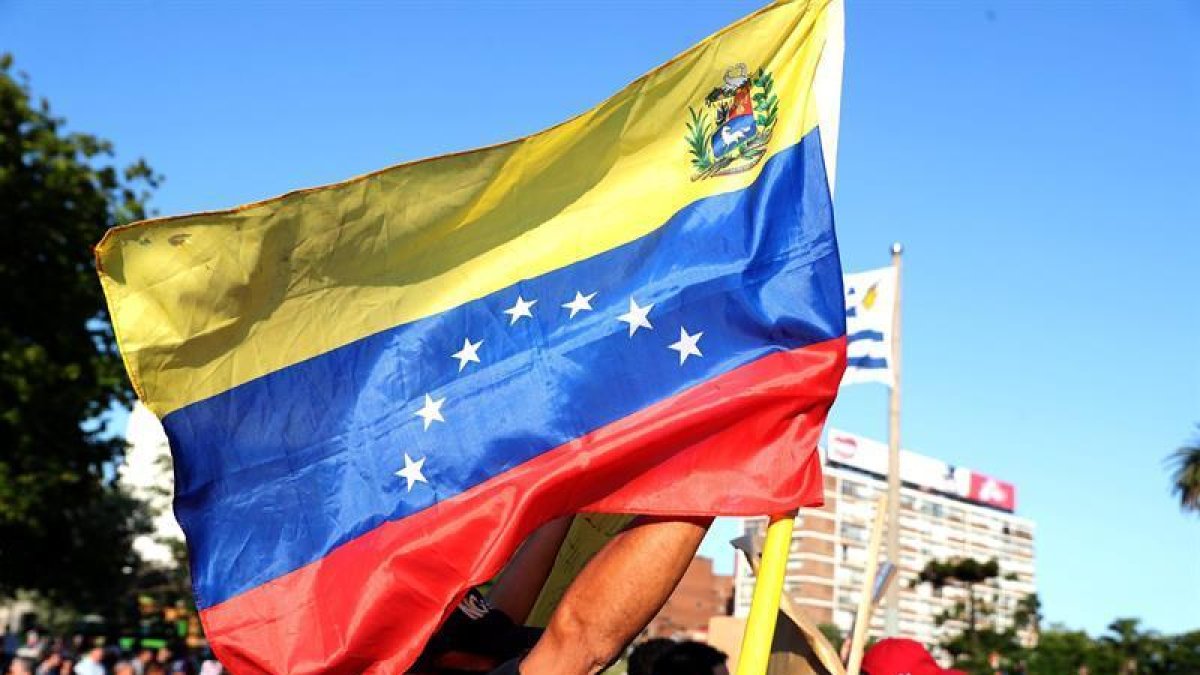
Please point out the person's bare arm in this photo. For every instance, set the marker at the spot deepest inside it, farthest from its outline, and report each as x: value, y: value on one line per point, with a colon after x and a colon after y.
x: 615, y: 596
x: 518, y: 586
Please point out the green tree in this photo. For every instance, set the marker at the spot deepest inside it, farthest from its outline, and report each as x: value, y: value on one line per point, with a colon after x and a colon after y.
x: 1185, y: 477
x: 1125, y: 649
x: 967, y: 574
x: 65, y: 525
x: 1178, y: 655
x: 1129, y: 642
x: 1028, y: 615
x: 1063, y: 652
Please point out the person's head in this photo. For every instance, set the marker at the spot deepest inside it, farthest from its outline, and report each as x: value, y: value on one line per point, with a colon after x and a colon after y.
x: 31, y: 637
x: 67, y: 667
x: 145, y: 654
x: 691, y: 658
x: 96, y: 654
x: 642, y: 658
x: 123, y: 668
x: 164, y: 654
x: 155, y: 668
x: 181, y: 665
x: 898, y: 656
x: 20, y: 666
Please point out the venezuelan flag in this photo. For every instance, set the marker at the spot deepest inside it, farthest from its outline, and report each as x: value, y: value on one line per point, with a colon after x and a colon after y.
x: 374, y: 390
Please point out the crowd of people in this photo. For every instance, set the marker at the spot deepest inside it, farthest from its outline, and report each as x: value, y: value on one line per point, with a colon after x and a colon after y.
x: 660, y: 656
x: 39, y: 654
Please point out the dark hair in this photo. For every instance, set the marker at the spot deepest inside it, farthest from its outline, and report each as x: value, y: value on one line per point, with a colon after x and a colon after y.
x: 689, y: 658
x: 642, y: 658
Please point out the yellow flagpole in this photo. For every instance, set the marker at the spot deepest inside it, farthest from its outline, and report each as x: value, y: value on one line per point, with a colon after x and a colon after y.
x: 768, y: 588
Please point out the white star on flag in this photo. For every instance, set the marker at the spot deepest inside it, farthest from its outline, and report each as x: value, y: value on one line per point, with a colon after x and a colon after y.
x: 636, y: 317
x: 688, y: 345
x: 580, y: 303
x: 520, y: 309
x: 412, y: 471
x: 468, y: 354
x: 432, y: 411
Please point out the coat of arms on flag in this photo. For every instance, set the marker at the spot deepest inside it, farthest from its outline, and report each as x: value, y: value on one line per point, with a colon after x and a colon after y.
x: 730, y: 130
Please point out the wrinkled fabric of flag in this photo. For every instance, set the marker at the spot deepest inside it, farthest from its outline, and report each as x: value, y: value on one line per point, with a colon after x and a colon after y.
x: 374, y: 390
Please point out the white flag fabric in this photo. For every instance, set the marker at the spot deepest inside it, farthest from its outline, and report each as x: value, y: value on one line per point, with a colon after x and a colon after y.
x: 870, y: 302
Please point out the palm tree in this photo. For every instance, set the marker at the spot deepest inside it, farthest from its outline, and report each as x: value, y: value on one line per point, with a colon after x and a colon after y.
x: 1129, y: 642
x: 1185, y: 479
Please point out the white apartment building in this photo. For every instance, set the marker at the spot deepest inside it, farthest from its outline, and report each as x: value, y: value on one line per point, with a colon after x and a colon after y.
x: 146, y: 473
x: 945, y: 512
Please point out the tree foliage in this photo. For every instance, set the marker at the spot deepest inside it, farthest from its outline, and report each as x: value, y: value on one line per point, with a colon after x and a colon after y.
x: 966, y: 573
x: 1185, y: 476
x: 66, y: 527
x: 1125, y: 648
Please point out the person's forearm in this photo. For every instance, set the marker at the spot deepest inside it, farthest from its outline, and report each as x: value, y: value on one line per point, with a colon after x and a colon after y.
x: 518, y: 586
x: 615, y: 596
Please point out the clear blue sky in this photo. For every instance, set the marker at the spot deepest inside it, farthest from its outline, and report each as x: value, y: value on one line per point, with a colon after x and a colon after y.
x: 1041, y: 162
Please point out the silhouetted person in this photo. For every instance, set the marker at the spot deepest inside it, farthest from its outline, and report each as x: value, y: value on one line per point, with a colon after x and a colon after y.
x: 643, y: 656
x: 691, y: 658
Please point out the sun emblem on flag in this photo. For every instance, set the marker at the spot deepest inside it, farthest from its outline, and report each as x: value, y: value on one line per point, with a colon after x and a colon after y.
x: 729, y: 132
x: 868, y: 301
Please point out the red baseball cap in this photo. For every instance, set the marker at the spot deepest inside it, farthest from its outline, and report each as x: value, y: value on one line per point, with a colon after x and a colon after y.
x: 897, y: 656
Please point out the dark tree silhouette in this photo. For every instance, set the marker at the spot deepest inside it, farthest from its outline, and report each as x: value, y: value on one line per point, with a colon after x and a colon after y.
x: 65, y: 526
x: 1185, y: 476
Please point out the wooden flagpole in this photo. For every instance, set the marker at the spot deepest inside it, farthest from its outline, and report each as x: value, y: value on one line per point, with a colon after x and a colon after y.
x: 892, y: 600
x: 862, y: 618
x: 764, y: 606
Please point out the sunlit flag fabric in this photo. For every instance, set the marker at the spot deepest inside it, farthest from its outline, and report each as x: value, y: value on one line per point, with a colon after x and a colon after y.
x: 375, y: 390
x: 870, y: 305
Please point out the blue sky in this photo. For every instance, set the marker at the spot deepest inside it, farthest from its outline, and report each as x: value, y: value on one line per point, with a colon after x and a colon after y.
x: 1040, y: 161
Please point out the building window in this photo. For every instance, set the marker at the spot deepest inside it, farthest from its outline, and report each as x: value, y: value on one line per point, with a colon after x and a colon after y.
x: 854, y: 532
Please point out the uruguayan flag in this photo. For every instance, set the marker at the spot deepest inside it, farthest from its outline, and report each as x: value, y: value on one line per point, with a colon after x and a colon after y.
x: 870, y: 301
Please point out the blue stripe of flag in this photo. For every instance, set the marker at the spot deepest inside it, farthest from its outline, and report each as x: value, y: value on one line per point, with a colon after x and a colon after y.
x: 866, y: 362
x: 867, y: 335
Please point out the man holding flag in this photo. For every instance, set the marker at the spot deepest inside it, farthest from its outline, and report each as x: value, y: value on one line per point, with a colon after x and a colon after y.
x: 375, y: 390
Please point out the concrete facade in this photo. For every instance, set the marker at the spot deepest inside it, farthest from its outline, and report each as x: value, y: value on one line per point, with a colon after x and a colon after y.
x: 700, y: 595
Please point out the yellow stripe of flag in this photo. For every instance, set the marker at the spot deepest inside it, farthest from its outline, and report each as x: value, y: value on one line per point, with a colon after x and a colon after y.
x: 205, y: 302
